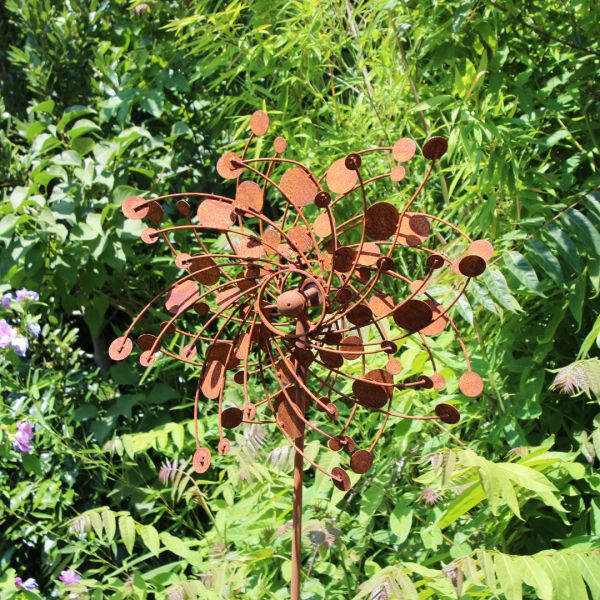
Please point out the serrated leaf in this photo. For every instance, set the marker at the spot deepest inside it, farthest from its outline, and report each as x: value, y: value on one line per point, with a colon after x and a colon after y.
x: 536, y: 577
x: 521, y: 268
x: 541, y: 254
x: 150, y: 538
x: 127, y: 531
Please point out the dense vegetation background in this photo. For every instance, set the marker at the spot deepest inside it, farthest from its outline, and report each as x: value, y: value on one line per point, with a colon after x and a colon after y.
x: 100, y: 99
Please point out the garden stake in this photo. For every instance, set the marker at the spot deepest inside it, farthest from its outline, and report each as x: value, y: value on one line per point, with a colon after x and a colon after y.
x: 299, y: 299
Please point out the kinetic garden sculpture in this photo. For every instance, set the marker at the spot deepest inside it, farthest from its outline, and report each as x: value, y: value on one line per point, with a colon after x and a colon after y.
x: 307, y: 276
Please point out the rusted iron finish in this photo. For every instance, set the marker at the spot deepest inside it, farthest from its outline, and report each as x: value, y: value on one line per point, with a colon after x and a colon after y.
x: 297, y: 279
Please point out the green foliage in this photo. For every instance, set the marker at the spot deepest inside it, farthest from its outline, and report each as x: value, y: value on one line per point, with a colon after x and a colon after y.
x: 102, y: 99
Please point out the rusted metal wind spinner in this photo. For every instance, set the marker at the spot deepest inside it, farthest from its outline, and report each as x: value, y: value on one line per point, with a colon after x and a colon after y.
x: 300, y: 304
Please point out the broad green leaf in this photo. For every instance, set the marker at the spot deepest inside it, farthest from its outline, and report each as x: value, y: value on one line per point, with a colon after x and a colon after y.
x: 509, y: 576
x: 585, y: 230
x: 541, y: 254
x: 521, y: 268
x: 556, y: 237
x: 127, y: 531
x: 401, y: 520
x: 496, y: 283
x: 535, y: 576
x: 150, y: 538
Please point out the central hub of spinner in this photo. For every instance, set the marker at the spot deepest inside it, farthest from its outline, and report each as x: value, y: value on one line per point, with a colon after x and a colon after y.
x: 291, y: 303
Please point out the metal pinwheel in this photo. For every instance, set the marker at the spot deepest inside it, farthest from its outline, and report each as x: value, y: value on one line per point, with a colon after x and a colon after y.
x: 307, y: 297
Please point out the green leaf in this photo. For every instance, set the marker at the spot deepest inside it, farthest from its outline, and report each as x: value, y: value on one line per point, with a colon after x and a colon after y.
x: 556, y: 237
x: 127, y: 531
x: 150, y: 538
x: 521, y: 268
x: 585, y: 230
x: 541, y: 254
x: 110, y: 524
x: 496, y: 284
x: 401, y: 520
x: 509, y: 576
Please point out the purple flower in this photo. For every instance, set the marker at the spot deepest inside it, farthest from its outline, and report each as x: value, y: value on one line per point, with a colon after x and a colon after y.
x: 29, y: 584
x: 20, y: 345
x: 7, y: 334
x: 24, y: 294
x: 6, y: 300
x: 34, y: 329
x: 69, y: 577
x: 23, y: 436
x: 430, y: 496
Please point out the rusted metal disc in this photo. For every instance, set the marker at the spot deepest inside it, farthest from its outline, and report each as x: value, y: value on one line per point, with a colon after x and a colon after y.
x: 360, y: 315
x: 343, y: 259
x: 393, y: 366
x: 351, y: 347
x: 341, y: 479
x: 201, y: 308
x: 241, y: 347
x: 155, y: 212
x: 279, y: 145
x: 471, y: 384
x: 385, y: 263
x: 287, y: 417
x: 369, y: 254
x: 182, y: 296
x: 182, y: 260
x: 348, y: 443
x: 413, y: 315
x: 249, y: 195
x: 146, y: 341
x: 397, y: 173
x: 297, y: 185
x: 381, y: 220
x: 183, y: 208
x: 332, y: 360
x: 300, y: 239
x: 134, y: 207
x: 435, y: 261
x: 213, y: 379
x: 368, y: 390
x: 343, y: 295
x: 332, y: 410
x: 225, y: 167
x: 332, y: 338
x: 404, y: 149
x: 224, y: 446
x: 150, y: 236
x: 439, y: 381
x: 238, y: 377
x: 447, y: 413
x: 222, y: 351
x: 167, y: 328
x: 389, y: 347
x: 438, y: 323
x: 481, y: 248
x: 322, y: 225
x: 249, y: 412
x: 228, y: 296
x: 250, y: 248
x: 215, y: 214
x: 271, y: 239
x: 435, y: 147
x: 361, y: 461
x: 204, y: 269
x: 335, y: 444
x: 322, y: 199
x: 472, y: 265
x: 414, y: 230
x: 120, y: 348
x: 201, y: 460
x: 341, y: 179
x: 259, y: 122
x: 147, y: 358
x: 381, y: 305
x: 231, y: 417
